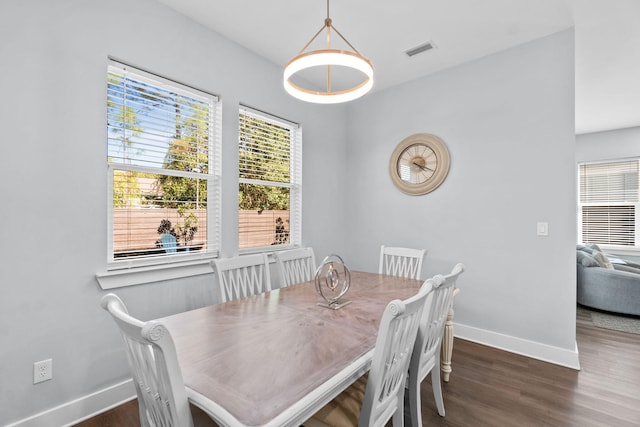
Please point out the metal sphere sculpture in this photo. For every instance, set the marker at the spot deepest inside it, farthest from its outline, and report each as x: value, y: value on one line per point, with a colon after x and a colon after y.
x: 333, y: 279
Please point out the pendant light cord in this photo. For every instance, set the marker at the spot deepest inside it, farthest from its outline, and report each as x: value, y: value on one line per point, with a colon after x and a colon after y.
x: 329, y: 26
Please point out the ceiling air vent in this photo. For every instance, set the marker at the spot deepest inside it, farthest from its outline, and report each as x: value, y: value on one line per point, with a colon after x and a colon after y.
x: 419, y: 49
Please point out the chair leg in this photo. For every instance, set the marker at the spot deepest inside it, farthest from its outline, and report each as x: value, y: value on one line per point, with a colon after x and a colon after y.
x: 414, y: 401
x: 436, y: 384
x: 144, y: 419
x: 142, y: 412
x: 398, y: 415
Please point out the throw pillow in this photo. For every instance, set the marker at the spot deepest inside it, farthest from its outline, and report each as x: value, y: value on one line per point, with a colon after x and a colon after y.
x: 594, y: 247
x: 602, y: 260
x: 586, y: 260
x: 584, y: 248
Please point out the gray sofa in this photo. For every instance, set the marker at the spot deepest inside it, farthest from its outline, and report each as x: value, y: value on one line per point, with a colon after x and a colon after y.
x: 607, y: 283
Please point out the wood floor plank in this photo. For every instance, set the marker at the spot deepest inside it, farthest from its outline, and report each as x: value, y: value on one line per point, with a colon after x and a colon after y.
x: 494, y: 388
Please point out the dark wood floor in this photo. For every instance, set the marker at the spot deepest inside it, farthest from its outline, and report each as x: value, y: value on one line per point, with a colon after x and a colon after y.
x: 489, y: 387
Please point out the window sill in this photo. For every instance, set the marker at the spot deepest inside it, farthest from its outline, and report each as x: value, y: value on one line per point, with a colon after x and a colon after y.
x: 269, y: 250
x: 140, y: 275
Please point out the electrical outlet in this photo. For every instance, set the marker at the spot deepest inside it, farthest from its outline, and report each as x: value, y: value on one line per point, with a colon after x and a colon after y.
x: 42, y: 371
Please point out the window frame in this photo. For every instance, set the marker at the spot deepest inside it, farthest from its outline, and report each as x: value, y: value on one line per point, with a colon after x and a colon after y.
x: 295, y: 180
x: 213, y: 179
x: 618, y: 249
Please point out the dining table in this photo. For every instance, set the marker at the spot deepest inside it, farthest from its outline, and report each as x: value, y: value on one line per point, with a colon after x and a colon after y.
x: 276, y: 358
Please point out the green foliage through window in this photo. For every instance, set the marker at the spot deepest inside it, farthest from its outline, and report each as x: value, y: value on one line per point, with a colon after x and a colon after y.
x: 265, y: 162
x: 158, y: 143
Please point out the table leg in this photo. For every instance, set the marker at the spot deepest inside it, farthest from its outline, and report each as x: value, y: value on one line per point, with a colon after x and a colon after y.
x: 446, y: 349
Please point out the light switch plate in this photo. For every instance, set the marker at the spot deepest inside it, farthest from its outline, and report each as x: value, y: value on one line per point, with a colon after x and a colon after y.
x: 543, y: 229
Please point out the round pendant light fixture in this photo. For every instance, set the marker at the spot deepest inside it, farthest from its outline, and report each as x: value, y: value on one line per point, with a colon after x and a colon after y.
x: 327, y: 58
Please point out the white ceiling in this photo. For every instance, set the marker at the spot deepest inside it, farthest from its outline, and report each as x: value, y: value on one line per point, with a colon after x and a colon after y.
x: 607, y: 36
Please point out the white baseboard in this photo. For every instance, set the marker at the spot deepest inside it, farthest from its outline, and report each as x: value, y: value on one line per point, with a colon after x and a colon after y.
x: 535, y: 350
x: 73, y: 412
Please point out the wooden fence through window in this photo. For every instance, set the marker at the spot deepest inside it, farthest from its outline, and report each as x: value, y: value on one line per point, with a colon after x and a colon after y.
x: 258, y: 228
x: 137, y: 229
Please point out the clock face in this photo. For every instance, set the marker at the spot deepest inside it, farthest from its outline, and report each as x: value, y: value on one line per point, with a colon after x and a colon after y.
x: 419, y: 164
x: 416, y: 164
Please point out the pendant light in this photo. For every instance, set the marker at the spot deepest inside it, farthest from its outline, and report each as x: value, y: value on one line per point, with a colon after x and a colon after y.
x: 327, y: 58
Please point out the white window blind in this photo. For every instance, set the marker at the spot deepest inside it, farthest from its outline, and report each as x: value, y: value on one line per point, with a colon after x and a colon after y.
x: 163, y: 157
x: 270, y: 175
x: 609, y: 199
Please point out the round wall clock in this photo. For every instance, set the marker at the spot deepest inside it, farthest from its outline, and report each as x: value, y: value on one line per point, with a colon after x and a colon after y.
x: 419, y: 164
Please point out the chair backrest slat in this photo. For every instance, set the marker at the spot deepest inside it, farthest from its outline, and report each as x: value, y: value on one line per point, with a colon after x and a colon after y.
x: 296, y: 266
x: 242, y: 276
x: 162, y: 397
x: 384, y: 395
x: 402, y: 262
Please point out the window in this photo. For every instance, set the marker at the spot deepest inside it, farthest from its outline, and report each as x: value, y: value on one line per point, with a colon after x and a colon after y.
x: 163, y: 162
x: 269, y: 197
x: 608, y: 202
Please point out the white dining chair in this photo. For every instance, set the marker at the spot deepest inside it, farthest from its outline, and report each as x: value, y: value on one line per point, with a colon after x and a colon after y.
x: 426, y: 353
x: 402, y: 262
x: 295, y: 266
x: 376, y: 398
x: 242, y: 276
x: 162, y: 397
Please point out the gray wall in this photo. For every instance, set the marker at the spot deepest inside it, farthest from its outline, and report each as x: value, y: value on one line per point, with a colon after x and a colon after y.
x: 54, y: 179
x: 507, y: 120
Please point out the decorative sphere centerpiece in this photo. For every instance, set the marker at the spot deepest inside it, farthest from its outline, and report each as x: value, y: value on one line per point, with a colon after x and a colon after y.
x: 333, y: 279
